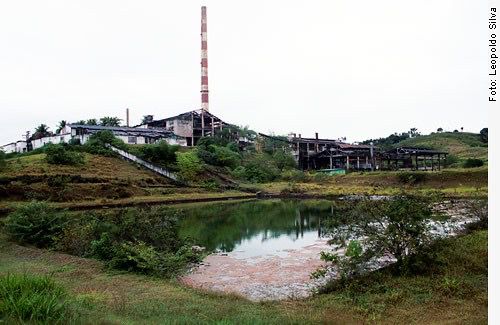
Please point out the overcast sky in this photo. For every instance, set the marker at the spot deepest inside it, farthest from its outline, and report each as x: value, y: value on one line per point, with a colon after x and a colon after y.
x: 359, y: 69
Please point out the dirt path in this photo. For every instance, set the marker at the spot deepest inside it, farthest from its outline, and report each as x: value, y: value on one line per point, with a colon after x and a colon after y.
x: 267, y: 277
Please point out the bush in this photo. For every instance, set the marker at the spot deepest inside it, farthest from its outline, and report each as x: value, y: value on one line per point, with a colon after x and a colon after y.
x: 451, y: 160
x: 411, y: 177
x: 321, y: 177
x: 35, y: 223
x: 217, y: 155
x: 472, y: 163
x: 160, y: 153
x: 260, y: 168
x: 293, y: 175
x: 399, y: 227
x: 96, y: 144
x: 32, y: 299
x: 57, y: 154
x: 142, y: 258
x: 189, y: 165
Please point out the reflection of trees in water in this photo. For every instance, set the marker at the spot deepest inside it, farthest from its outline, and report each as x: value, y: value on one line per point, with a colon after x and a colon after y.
x: 224, y: 226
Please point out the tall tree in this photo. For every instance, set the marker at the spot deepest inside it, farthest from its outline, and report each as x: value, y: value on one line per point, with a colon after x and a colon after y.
x: 61, y: 126
x: 484, y: 135
x: 109, y: 121
x: 41, y: 131
x: 91, y: 121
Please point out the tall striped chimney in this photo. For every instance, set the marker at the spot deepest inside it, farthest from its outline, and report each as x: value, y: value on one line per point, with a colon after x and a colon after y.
x: 204, y: 60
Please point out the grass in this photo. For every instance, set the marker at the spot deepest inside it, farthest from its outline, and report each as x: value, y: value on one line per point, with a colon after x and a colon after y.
x: 451, y: 182
x: 453, y: 291
x: 460, y: 144
x: 33, y: 298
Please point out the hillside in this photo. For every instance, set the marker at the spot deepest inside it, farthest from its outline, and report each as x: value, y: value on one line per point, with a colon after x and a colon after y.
x: 100, y: 181
x: 462, y: 145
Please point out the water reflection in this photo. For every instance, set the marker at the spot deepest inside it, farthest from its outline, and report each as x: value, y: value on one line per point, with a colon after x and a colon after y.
x: 256, y: 227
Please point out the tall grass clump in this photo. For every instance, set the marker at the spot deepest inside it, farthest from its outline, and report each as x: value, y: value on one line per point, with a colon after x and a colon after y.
x: 32, y: 299
x: 35, y: 223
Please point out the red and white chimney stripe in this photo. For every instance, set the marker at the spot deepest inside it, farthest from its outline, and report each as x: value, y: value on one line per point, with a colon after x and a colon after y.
x: 204, y: 60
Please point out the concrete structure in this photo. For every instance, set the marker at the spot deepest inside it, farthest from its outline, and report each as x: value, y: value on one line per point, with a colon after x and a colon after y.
x: 204, y: 60
x: 191, y: 125
x: 19, y: 147
x: 126, y: 134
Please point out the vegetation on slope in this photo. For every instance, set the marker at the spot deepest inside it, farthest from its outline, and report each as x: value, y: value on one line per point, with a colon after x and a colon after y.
x: 452, y: 290
x: 459, y: 144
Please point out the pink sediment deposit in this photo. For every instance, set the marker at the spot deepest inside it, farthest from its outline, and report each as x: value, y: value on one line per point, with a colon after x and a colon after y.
x: 267, y: 277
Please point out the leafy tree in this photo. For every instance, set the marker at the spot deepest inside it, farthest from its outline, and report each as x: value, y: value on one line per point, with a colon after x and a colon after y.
x: 484, y: 135
x: 190, y: 166
x: 146, y: 119
x: 440, y: 130
x: 109, y: 121
x: 455, y: 131
x: 61, y: 126
x: 91, y: 121
x: 284, y: 160
x: 398, y: 227
x: 96, y: 144
x: 80, y: 122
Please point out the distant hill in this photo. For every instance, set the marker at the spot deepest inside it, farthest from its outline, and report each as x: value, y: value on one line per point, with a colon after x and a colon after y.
x: 462, y: 145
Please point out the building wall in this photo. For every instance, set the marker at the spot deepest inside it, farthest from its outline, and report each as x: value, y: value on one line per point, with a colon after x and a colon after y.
x: 60, y: 138
x: 8, y: 148
x: 183, y: 128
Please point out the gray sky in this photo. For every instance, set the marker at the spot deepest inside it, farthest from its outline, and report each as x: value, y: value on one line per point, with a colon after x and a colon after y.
x: 358, y: 69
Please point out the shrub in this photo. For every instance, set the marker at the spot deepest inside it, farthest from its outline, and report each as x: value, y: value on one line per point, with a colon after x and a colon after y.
x: 293, y: 175
x: 450, y: 160
x: 35, y: 223
x: 260, y: 168
x: 472, y: 163
x: 321, y: 177
x: 411, y: 177
x: 189, y: 165
x: 33, y: 299
x: 217, y: 155
x: 97, y: 142
x: 57, y: 154
x: 160, y: 153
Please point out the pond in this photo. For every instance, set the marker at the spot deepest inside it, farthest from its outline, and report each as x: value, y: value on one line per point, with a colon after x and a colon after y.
x: 255, y: 228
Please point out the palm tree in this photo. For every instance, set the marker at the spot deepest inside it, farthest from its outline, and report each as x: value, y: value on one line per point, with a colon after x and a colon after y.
x: 41, y: 131
x: 61, y: 126
x: 91, y: 121
x: 109, y: 121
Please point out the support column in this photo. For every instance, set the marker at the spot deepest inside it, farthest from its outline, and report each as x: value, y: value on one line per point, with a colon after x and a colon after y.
x: 347, y: 163
x: 358, y: 162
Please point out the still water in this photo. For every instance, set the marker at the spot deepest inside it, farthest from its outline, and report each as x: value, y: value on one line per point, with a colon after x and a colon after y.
x: 256, y: 228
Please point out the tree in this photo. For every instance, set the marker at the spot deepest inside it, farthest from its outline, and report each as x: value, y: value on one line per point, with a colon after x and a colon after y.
x: 41, y: 131
x: 414, y: 132
x: 61, y: 126
x: 462, y: 129
x: 374, y: 229
x: 190, y: 166
x: 109, y: 121
x: 147, y: 119
x: 91, y: 121
x: 484, y: 135
x: 440, y: 129
x: 455, y: 131
x: 81, y: 122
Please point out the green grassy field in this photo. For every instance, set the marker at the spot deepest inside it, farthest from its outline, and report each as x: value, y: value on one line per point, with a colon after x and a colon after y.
x: 463, y: 145
x: 453, y: 291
